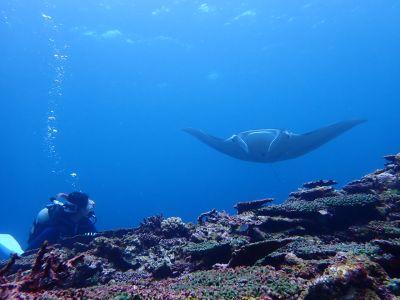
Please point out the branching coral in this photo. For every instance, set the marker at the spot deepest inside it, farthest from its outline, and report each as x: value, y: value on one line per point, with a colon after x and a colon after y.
x: 47, y: 272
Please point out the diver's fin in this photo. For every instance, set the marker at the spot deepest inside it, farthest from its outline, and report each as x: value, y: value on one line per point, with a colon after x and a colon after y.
x: 8, y: 246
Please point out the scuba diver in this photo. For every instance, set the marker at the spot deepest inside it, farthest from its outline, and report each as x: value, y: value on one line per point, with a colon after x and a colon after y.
x: 69, y: 215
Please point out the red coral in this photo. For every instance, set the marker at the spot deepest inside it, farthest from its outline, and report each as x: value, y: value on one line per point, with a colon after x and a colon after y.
x: 7, y: 267
x: 47, y: 272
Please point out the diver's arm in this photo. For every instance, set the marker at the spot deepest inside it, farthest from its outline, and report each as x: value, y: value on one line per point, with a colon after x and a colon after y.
x: 49, y: 234
x: 38, y: 228
x: 88, y: 227
x: 91, y: 219
x: 91, y: 229
x: 41, y: 219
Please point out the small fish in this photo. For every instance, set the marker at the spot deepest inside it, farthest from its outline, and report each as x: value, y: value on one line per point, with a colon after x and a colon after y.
x: 323, y: 212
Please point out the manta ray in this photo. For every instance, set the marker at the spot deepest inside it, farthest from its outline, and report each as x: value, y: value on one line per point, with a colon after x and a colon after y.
x: 272, y: 145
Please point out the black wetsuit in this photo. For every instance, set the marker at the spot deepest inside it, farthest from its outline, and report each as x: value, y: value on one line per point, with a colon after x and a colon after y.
x: 58, y: 226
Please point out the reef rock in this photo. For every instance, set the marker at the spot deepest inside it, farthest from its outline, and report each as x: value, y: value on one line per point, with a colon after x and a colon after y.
x: 321, y: 243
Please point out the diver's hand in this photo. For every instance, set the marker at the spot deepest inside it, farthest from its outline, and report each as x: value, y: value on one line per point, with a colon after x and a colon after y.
x: 90, y: 234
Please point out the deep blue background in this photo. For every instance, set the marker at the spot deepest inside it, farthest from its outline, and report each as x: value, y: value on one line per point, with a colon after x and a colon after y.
x: 139, y: 71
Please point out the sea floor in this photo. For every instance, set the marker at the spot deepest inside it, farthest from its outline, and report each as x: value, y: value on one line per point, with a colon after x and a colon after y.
x: 322, y: 243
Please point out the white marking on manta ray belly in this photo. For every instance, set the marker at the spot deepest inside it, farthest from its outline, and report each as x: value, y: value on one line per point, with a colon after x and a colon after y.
x: 261, y: 131
x: 242, y: 144
x: 270, y: 145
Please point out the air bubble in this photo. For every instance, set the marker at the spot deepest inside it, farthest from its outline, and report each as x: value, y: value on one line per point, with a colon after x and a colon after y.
x: 58, y: 58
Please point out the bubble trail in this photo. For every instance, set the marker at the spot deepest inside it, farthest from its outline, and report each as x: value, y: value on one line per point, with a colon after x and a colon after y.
x: 59, y: 59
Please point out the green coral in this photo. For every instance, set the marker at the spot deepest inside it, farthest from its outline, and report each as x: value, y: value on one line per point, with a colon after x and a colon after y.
x: 384, y: 229
x: 238, y: 283
x: 202, y: 248
x: 239, y: 241
x: 315, y: 249
x: 301, y: 207
x: 394, y: 191
x: 391, y: 231
x: 390, y: 196
x: 126, y: 296
x: 394, y: 286
x: 209, y: 253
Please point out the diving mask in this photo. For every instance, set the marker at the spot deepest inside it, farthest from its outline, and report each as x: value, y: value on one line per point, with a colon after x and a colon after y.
x: 67, y: 206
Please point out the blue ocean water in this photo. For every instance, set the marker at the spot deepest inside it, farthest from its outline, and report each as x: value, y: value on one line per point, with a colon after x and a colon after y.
x: 94, y: 95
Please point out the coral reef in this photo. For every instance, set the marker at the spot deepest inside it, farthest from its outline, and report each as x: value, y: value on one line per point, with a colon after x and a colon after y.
x: 242, y: 207
x: 49, y: 270
x: 321, y: 243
